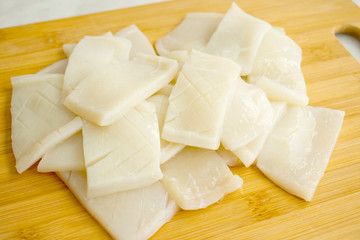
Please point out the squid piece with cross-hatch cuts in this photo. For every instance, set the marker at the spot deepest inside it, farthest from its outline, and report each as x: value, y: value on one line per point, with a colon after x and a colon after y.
x: 39, y: 120
x: 66, y: 156
x: 90, y: 54
x: 198, y: 101
x: 196, y: 178
x: 124, y: 155
x: 299, y: 147
x: 123, y: 85
x: 128, y: 215
x: 277, y: 69
x: 238, y: 37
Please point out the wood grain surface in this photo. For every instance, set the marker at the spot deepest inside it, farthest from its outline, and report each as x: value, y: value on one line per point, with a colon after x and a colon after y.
x: 39, y: 206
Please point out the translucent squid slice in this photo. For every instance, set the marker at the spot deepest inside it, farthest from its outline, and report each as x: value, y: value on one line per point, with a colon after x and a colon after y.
x: 39, y: 120
x: 199, y: 99
x: 228, y: 156
x: 278, y: 92
x: 193, y: 32
x: 248, y: 153
x: 90, y: 54
x: 238, y: 37
x: 140, y: 43
x: 248, y: 115
x: 124, y: 155
x: 196, y: 178
x: 57, y: 67
x: 298, y: 149
x: 168, y: 149
x: 129, y: 215
x: 68, y: 48
x: 166, y: 90
x: 107, y: 94
x: 277, y: 69
x: 66, y: 156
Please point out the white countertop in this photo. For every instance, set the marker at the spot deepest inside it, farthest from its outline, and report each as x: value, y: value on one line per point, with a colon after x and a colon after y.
x: 20, y: 12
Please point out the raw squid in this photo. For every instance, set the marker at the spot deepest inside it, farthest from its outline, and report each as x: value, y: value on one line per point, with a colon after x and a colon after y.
x: 193, y: 32
x: 128, y: 215
x: 238, y: 37
x: 277, y: 69
x: 140, y: 43
x: 124, y: 155
x: 247, y: 116
x: 39, y: 120
x: 123, y: 85
x: 196, y: 178
x: 66, y: 156
x: 198, y: 101
x: 298, y: 149
x: 168, y: 149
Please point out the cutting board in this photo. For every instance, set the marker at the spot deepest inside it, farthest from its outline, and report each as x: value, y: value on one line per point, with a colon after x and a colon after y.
x: 39, y: 206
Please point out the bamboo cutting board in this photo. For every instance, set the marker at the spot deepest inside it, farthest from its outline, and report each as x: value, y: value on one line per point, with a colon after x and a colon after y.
x: 39, y: 206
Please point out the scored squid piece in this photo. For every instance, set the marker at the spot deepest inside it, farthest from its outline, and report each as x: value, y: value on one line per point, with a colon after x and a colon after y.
x: 140, y: 43
x: 238, y: 37
x: 66, y: 156
x: 168, y: 149
x: 248, y: 115
x: 193, y: 32
x: 124, y: 155
x: 196, y: 178
x: 277, y: 69
x: 39, y: 120
x: 198, y: 101
x: 299, y: 147
x: 123, y: 85
x: 129, y: 215
x: 91, y: 54
x: 248, y: 153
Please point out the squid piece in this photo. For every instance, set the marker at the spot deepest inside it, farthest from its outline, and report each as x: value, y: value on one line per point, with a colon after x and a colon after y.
x: 105, y: 95
x: 228, y: 156
x: 238, y: 37
x: 66, y: 156
x: 299, y: 147
x: 130, y: 215
x: 140, y: 43
x: 166, y: 90
x: 56, y: 67
x: 91, y: 54
x: 68, y: 48
x: 124, y: 155
x: 193, y: 32
x: 196, y: 178
x: 277, y: 69
x: 39, y: 120
x: 168, y: 149
x: 198, y: 101
x: 248, y: 153
x: 248, y: 115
